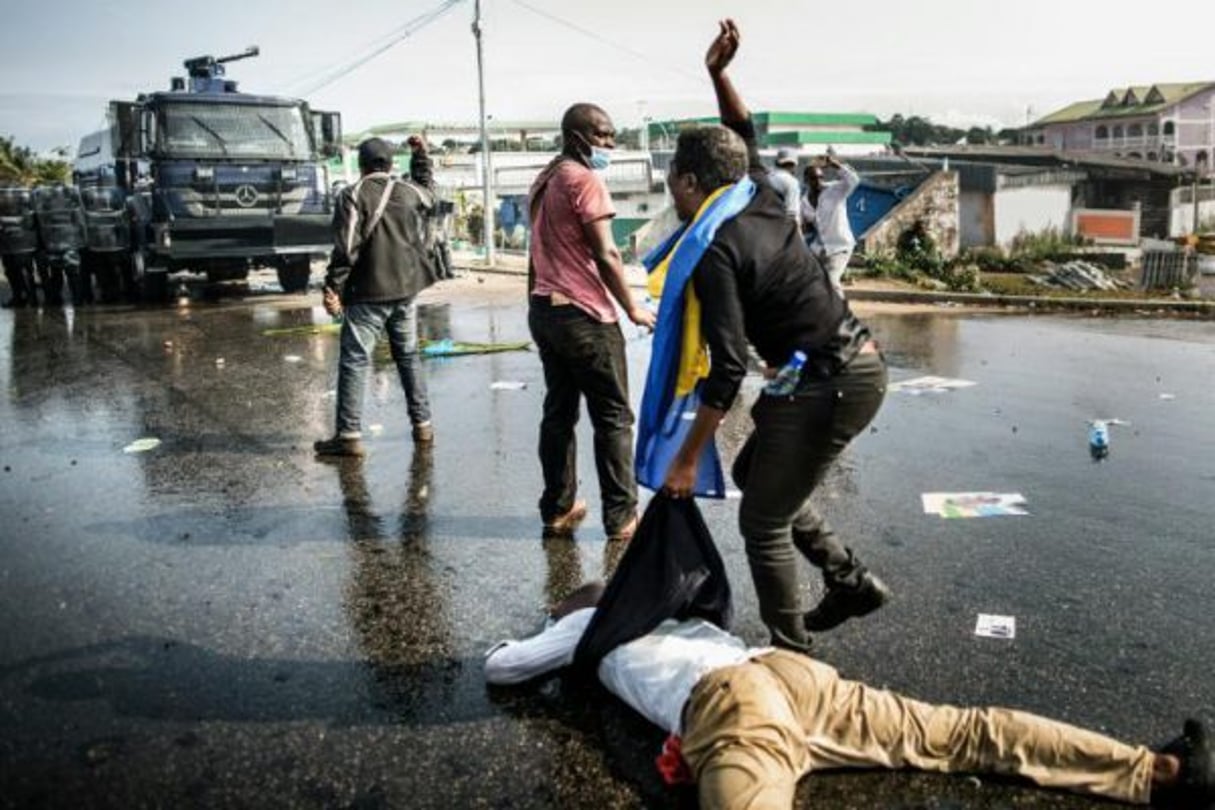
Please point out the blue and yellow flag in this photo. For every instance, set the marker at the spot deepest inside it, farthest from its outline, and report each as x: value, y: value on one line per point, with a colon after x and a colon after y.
x: 679, y: 360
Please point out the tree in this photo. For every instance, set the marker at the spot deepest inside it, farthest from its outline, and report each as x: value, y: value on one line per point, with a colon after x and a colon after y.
x: 918, y: 131
x: 20, y: 166
x: 980, y: 135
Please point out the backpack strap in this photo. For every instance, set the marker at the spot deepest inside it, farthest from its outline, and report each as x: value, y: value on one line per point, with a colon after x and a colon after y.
x: 378, y: 214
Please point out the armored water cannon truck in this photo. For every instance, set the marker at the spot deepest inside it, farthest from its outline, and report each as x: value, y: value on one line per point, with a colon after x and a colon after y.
x: 214, y: 180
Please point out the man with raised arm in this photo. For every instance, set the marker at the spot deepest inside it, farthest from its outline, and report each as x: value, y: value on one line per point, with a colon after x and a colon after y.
x: 758, y: 283
x: 825, y: 208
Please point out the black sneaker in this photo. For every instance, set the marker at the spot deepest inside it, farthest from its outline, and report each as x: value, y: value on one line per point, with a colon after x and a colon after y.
x: 339, y: 446
x: 1195, y: 786
x: 841, y: 604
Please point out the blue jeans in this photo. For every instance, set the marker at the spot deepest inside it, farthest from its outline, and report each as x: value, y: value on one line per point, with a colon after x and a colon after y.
x: 361, y: 328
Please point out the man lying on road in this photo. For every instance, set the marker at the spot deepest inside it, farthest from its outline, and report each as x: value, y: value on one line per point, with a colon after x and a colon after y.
x: 753, y: 721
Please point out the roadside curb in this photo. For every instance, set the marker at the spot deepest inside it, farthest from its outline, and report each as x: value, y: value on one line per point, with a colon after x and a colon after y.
x: 1203, y: 308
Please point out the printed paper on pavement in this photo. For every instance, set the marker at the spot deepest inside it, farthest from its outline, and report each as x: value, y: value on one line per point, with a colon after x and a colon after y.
x: 992, y: 626
x: 973, y: 504
x: 930, y: 385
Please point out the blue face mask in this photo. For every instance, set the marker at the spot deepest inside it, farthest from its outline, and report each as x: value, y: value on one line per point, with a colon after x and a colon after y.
x: 600, y: 158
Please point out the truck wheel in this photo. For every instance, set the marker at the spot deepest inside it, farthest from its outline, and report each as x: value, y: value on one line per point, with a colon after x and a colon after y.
x: 294, y: 274
x: 150, y: 284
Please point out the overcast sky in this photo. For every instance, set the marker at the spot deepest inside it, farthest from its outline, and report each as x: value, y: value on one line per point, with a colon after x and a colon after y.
x: 956, y: 61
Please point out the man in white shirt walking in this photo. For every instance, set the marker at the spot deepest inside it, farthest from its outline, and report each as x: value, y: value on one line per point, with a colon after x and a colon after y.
x: 754, y: 720
x: 825, y: 207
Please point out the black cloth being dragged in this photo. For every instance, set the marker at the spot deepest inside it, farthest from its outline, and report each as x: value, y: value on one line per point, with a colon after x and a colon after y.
x: 671, y: 570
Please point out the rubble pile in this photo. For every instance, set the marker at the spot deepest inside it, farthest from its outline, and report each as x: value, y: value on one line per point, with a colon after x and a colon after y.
x: 1077, y: 275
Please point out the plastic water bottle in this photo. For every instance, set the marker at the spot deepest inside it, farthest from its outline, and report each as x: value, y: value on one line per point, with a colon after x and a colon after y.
x: 1098, y: 439
x: 786, y: 380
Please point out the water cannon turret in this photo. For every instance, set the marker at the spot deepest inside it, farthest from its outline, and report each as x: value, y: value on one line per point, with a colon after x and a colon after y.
x: 207, y: 72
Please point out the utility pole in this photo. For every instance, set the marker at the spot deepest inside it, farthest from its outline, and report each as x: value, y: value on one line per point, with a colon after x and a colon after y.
x: 1200, y: 168
x: 486, y: 170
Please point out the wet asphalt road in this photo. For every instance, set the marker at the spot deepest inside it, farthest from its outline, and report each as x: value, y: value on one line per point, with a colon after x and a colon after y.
x: 224, y: 621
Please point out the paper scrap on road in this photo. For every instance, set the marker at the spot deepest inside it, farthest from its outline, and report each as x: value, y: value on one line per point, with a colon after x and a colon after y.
x: 1168, y: 396
x: 507, y: 385
x: 973, y: 504
x: 292, y: 358
x: 990, y: 625
x: 142, y: 445
x: 930, y: 385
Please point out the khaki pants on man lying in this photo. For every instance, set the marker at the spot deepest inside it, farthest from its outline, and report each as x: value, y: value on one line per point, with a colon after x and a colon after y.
x: 754, y: 729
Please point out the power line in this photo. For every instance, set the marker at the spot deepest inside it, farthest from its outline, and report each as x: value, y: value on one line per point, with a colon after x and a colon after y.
x: 624, y: 48
x: 388, y: 41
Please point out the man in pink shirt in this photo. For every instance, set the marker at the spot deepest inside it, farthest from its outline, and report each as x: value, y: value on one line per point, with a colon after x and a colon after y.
x: 575, y: 273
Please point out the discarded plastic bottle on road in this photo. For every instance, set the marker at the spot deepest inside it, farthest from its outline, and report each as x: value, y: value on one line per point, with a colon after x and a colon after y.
x: 1098, y: 439
x: 786, y: 380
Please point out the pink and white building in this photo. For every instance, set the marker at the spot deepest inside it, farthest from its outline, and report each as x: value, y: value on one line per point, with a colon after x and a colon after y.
x: 1168, y: 123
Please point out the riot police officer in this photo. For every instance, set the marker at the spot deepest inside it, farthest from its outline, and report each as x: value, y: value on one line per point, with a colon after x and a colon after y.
x: 18, y: 244
x: 61, y: 236
x: 108, y: 237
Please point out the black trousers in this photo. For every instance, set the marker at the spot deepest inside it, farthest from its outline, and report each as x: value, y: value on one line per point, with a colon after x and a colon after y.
x: 796, y: 440
x: 583, y: 357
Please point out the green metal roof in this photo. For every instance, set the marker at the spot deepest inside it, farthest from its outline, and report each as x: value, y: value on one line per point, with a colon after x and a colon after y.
x: 824, y: 136
x: 814, y: 119
x: 1143, y: 100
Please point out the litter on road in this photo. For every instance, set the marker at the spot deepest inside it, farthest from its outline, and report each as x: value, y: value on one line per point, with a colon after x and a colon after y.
x: 444, y: 347
x: 454, y: 348
x: 507, y: 385
x: 930, y: 385
x: 1077, y: 275
x: 990, y: 625
x: 973, y: 504
x: 142, y: 445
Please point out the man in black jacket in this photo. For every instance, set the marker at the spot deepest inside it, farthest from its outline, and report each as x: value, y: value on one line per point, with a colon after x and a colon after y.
x: 759, y: 284
x: 382, y: 258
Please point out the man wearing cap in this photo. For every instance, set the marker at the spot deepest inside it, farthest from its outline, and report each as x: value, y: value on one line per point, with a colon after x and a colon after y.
x: 382, y: 258
x: 825, y: 206
x: 785, y: 182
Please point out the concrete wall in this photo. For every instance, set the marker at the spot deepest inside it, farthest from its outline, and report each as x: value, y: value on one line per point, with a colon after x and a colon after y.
x: 1195, y: 122
x: 1181, y: 219
x: 976, y: 219
x: 936, y: 202
x: 1032, y: 209
x: 1070, y: 137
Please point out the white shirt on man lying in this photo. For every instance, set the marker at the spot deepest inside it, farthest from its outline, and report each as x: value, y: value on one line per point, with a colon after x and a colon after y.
x: 654, y: 674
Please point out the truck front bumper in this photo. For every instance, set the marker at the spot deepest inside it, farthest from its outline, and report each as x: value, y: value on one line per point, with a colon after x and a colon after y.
x: 234, y: 238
